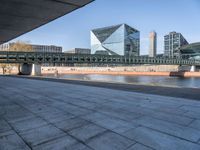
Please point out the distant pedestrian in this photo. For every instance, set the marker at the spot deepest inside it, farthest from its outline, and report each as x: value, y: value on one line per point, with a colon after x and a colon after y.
x: 56, y: 73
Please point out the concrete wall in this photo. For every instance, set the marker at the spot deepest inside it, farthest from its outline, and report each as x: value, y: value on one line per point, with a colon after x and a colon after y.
x: 142, y: 68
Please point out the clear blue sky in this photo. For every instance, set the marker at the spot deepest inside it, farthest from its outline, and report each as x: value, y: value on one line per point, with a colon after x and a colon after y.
x: 163, y: 16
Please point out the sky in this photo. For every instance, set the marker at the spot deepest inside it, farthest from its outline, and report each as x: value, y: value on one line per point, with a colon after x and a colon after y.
x: 162, y: 16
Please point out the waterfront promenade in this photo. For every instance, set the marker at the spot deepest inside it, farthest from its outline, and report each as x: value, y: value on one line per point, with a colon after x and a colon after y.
x: 75, y: 115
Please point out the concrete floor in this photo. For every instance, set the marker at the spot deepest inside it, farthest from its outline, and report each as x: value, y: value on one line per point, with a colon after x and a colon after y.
x: 45, y: 115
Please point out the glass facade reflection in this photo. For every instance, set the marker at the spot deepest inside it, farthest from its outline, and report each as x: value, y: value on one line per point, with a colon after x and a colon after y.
x: 191, y: 51
x: 116, y: 40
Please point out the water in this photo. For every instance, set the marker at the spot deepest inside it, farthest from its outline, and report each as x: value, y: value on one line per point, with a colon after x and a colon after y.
x: 145, y: 80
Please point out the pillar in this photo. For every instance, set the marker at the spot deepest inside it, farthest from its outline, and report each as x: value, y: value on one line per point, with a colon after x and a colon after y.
x: 25, y: 69
x: 193, y: 68
x: 36, y: 70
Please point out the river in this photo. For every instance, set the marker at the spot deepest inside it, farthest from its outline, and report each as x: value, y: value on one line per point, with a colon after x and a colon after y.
x: 145, y: 80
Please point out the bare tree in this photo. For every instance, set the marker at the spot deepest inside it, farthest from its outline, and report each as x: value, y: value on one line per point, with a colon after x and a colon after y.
x: 21, y: 46
x: 17, y: 46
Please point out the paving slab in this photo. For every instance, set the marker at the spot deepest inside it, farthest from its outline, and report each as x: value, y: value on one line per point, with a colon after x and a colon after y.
x: 87, y: 132
x: 38, y: 114
x: 109, y: 122
x: 192, y: 114
x: 139, y: 147
x: 28, y: 124
x: 195, y: 124
x: 110, y: 141
x: 158, y: 140
x: 183, y: 132
x: 174, y: 118
x: 118, y: 113
x: 61, y: 143
x: 55, y: 116
x: 41, y: 134
x: 12, y: 142
x: 4, y: 126
x: 71, y: 124
x: 16, y: 114
x: 79, y: 146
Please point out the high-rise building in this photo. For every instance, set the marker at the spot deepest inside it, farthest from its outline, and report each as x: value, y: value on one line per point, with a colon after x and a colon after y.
x: 152, y: 44
x: 116, y: 40
x: 172, y: 42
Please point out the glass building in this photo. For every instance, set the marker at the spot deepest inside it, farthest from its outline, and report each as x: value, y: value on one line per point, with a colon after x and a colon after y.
x: 191, y: 51
x: 172, y: 42
x: 116, y: 40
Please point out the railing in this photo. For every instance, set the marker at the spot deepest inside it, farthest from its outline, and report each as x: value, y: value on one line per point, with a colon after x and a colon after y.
x: 63, y: 58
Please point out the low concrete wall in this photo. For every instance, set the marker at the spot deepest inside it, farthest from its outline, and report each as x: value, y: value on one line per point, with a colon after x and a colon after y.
x: 138, y: 70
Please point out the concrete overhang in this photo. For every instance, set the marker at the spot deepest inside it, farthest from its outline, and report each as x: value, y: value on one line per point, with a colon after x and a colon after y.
x: 21, y: 16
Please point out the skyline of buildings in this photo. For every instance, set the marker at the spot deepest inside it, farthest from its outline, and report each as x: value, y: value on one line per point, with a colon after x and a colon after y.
x: 119, y: 40
x: 116, y: 40
x: 152, y: 44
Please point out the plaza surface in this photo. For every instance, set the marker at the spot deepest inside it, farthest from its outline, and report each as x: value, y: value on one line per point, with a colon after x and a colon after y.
x: 45, y: 115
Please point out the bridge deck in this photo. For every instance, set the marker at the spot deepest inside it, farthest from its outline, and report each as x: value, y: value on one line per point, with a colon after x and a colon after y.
x: 52, y: 115
x: 63, y: 58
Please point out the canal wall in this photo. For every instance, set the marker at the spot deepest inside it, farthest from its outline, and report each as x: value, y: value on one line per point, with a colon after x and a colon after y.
x: 137, y: 68
x: 148, y: 70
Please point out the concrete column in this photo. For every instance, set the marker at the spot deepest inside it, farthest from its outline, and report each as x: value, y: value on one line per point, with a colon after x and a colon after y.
x: 193, y: 68
x: 25, y: 69
x: 36, y: 70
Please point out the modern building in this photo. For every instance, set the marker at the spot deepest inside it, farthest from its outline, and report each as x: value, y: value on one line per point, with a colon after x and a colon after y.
x: 79, y: 51
x: 35, y: 48
x: 172, y: 42
x: 47, y: 48
x: 116, y: 40
x: 190, y: 51
x: 152, y: 44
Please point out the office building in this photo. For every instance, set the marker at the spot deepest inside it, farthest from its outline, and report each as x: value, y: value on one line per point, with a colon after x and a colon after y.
x: 172, y: 42
x: 79, y: 51
x: 190, y: 51
x: 35, y: 48
x: 152, y: 44
x: 116, y: 40
x: 47, y: 48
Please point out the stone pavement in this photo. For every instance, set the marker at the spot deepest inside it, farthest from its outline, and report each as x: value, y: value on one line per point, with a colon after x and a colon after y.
x: 43, y: 115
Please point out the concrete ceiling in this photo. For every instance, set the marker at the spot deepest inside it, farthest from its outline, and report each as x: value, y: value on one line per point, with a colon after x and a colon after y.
x: 21, y: 16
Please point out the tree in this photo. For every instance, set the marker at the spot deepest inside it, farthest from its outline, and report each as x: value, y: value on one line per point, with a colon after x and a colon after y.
x: 21, y: 46
x: 17, y: 46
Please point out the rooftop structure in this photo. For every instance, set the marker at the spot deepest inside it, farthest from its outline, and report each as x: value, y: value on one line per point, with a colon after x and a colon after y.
x: 116, y: 40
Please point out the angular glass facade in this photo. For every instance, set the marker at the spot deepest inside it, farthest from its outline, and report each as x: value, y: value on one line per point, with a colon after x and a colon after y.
x: 116, y: 40
x: 191, y: 51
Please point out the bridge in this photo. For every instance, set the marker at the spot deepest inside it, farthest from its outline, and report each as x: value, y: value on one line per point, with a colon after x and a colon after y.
x: 64, y: 58
x: 26, y: 59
